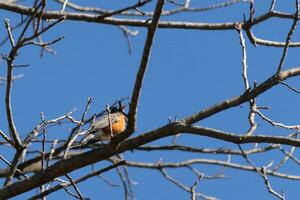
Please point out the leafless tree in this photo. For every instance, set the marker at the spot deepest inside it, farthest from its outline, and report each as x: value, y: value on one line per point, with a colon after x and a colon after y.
x: 47, y: 166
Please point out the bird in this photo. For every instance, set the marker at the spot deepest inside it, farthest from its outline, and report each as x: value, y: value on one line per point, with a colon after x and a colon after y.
x: 103, y: 130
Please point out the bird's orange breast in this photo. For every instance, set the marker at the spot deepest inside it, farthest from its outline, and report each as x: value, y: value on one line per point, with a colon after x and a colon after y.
x: 118, y: 126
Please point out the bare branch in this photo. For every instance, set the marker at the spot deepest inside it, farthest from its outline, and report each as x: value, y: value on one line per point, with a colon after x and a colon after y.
x: 44, y: 44
x: 288, y: 38
x: 11, y: 39
x: 65, y: 2
x: 255, y: 41
x: 13, y: 167
x: 244, y: 59
x: 297, y: 161
x: 137, y: 5
x: 79, y: 180
x: 285, y: 159
x: 182, y: 8
x: 272, y: 6
x: 124, y: 184
x: 269, y: 83
x: 262, y: 172
x: 127, y: 33
x: 183, y: 164
x: 193, y: 193
x: 239, y: 139
x: 276, y: 124
x: 207, y: 150
x: 12, y: 129
x: 34, y: 133
x: 184, y: 187
x: 6, y: 138
x: 142, y: 69
x: 75, y: 187
x: 10, y: 165
x: 252, y: 103
x: 290, y: 87
x: 270, y: 189
x: 73, y: 137
x: 143, y: 23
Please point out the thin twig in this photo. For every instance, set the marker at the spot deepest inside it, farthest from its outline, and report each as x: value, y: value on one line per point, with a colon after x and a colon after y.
x: 34, y: 133
x: 12, y: 129
x: 272, y: 6
x: 184, y: 187
x: 127, y: 33
x: 193, y: 193
x: 64, y: 5
x: 296, y: 160
x: 285, y: 159
x: 123, y: 180
x: 9, y: 164
x: 269, y: 187
x: 77, y: 133
x: 262, y: 172
x: 290, y: 87
x: 13, y: 167
x: 44, y: 44
x: 44, y: 132
x: 14, y: 28
x: 79, y: 180
x: 8, y: 28
x: 6, y: 138
x: 52, y: 150
x: 75, y: 187
x: 276, y: 124
x: 106, y: 180
x: 116, y: 12
x: 107, y: 108
x: 252, y: 103
x: 244, y: 59
x: 288, y: 38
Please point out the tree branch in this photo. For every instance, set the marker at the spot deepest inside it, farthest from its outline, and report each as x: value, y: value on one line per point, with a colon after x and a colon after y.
x: 145, y: 23
x: 79, y: 180
x: 235, y: 101
x: 142, y: 69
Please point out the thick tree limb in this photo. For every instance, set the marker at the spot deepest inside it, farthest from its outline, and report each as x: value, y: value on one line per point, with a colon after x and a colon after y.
x: 145, y: 23
x: 142, y: 69
x: 66, y: 166
x: 248, y: 95
x: 76, y: 162
x: 79, y: 180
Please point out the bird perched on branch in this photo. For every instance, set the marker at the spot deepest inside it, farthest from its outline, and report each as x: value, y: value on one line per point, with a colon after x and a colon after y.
x: 110, y: 124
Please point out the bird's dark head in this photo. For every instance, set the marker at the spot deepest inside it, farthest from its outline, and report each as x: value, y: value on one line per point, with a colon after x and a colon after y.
x: 121, y: 107
x: 118, y: 108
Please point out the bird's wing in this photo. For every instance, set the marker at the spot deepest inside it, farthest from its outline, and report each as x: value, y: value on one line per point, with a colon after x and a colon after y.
x: 103, y: 121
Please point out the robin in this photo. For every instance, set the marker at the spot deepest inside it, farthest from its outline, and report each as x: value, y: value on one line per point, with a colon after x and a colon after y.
x: 101, y: 130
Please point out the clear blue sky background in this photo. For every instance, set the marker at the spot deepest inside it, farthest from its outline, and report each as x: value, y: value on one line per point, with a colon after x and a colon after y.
x: 189, y: 70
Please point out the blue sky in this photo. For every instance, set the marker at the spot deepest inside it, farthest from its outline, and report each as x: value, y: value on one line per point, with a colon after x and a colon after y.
x: 189, y: 70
